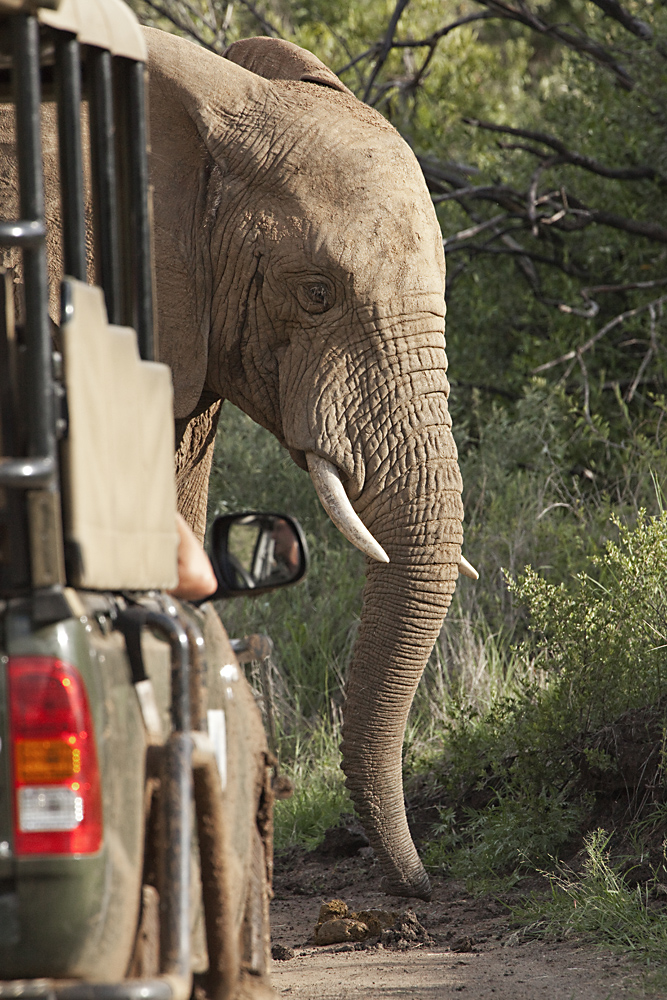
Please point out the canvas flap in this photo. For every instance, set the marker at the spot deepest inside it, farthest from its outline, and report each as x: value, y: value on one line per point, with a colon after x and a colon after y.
x: 118, y: 458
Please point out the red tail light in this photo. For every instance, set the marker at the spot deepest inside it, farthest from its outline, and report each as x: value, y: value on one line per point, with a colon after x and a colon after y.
x: 57, y: 793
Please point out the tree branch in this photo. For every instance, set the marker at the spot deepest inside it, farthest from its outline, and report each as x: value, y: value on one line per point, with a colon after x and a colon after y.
x: 267, y: 27
x: 650, y: 230
x: 576, y: 159
x: 188, y: 29
x: 427, y: 42
x: 613, y: 9
x: 653, y: 349
x: 616, y: 321
x: 580, y: 42
x: 386, y: 45
x: 430, y: 42
x: 467, y: 234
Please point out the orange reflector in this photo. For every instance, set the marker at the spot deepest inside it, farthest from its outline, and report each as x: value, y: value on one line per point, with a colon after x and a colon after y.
x: 45, y: 760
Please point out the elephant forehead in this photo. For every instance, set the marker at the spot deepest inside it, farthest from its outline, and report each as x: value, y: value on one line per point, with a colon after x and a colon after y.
x: 344, y: 179
x: 378, y: 249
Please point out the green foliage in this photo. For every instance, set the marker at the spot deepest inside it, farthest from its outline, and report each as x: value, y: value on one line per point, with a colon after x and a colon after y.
x: 605, y: 636
x: 511, y: 773
x: 540, y: 483
x: 320, y: 796
x: 597, y: 903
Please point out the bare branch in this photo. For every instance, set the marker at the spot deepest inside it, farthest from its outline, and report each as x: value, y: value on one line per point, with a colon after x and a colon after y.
x: 189, y: 29
x: 631, y: 286
x: 532, y: 200
x: 569, y: 156
x: 653, y: 349
x: 267, y: 27
x: 587, y: 390
x: 486, y: 192
x: 518, y: 251
x: 386, y: 45
x: 570, y: 215
x: 651, y: 230
x: 427, y: 42
x: 467, y: 234
x: 430, y: 42
x: 613, y: 9
x: 616, y: 321
x: 580, y: 42
x: 357, y: 59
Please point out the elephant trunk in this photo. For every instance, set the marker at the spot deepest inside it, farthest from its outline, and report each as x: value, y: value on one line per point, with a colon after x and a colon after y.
x: 403, y: 609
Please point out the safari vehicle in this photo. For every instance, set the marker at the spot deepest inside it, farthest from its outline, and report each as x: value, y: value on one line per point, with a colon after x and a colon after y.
x: 135, y: 795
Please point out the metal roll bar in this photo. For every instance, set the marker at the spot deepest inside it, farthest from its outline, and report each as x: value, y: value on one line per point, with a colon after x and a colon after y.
x: 115, y: 86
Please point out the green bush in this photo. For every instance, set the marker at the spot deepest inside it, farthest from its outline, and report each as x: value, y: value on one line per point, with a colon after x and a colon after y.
x: 540, y: 484
x: 517, y: 778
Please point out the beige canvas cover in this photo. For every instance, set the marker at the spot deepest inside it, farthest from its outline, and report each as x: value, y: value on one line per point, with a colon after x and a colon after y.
x: 119, y: 486
x: 108, y: 24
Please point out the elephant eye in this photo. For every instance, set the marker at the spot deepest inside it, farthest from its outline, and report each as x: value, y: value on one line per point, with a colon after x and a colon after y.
x: 316, y: 296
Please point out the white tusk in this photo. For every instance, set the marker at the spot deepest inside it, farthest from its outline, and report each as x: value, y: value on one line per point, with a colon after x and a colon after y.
x: 334, y: 499
x: 467, y: 569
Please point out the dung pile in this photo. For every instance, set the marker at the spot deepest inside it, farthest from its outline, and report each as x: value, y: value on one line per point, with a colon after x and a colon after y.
x: 337, y: 924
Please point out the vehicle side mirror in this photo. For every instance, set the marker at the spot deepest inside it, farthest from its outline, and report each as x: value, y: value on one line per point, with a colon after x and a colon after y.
x: 254, y: 552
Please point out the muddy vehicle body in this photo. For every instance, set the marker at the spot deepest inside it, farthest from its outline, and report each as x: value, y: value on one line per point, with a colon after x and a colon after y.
x: 135, y: 795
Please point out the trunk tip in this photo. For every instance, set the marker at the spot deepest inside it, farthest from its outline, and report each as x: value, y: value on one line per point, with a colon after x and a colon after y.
x: 421, y: 889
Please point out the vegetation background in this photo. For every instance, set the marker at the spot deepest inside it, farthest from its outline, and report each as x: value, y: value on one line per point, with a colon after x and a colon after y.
x: 540, y: 126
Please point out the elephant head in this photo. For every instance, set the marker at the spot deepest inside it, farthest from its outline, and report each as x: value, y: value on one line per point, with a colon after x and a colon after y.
x: 300, y: 276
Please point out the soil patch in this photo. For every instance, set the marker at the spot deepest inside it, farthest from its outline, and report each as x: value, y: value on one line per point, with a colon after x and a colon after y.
x: 456, y: 944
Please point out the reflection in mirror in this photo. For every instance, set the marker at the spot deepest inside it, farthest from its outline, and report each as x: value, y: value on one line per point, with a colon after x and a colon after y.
x: 257, y: 552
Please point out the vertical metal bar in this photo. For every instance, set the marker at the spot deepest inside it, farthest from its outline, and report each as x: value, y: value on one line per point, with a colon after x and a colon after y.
x: 177, y: 800
x: 177, y: 794
x: 126, y: 249
x: 39, y: 386
x: 140, y: 209
x: 105, y: 197
x: 14, y: 554
x: 68, y: 70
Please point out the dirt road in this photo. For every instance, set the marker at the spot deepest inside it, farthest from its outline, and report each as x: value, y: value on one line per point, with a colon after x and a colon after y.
x: 471, y: 947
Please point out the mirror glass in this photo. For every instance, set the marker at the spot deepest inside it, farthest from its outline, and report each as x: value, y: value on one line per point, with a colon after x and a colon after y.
x: 257, y: 552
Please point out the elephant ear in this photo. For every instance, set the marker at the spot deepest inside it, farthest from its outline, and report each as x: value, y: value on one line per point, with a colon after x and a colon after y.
x: 276, y: 59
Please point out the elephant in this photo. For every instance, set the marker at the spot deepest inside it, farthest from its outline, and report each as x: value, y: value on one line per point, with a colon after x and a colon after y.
x: 300, y: 275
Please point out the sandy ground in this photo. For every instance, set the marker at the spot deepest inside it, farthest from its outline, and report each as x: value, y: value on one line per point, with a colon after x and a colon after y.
x: 474, y: 949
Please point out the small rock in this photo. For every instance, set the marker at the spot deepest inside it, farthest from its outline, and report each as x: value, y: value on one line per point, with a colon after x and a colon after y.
x: 280, y: 953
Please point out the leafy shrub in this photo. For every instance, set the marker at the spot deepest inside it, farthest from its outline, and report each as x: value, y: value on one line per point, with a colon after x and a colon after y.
x: 521, y: 777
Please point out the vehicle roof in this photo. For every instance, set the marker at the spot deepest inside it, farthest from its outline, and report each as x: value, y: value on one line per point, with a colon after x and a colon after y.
x: 107, y: 24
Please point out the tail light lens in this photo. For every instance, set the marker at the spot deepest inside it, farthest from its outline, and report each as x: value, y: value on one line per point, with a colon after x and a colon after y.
x: 57, y: 793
